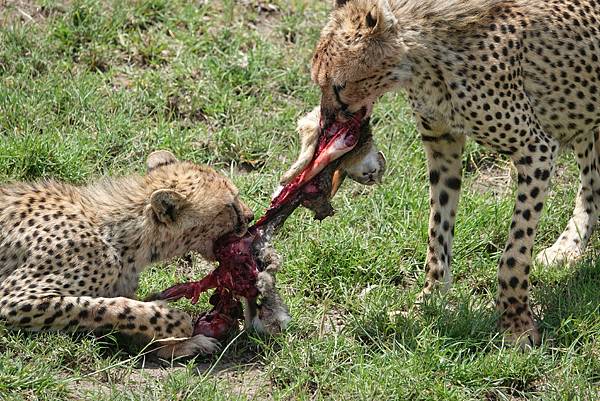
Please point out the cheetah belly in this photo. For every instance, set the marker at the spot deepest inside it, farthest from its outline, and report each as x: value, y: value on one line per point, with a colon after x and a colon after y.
x: 565, y: 120
x: 564, y: 89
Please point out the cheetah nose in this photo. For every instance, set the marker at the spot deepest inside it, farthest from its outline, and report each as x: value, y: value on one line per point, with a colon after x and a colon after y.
x: 328, y: 117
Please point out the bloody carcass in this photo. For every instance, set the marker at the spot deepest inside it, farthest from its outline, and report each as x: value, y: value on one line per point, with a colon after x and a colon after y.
x: 246, y: 264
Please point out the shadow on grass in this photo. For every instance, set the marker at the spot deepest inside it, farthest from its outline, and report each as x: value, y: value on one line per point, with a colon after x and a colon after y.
x: 240, y: 352
x: 464, y: 323
x: 569, y: 314
x: 570, y: 306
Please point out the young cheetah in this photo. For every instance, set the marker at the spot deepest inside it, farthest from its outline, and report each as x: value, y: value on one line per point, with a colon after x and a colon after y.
x: 519, y: 76
x: 70, y: 257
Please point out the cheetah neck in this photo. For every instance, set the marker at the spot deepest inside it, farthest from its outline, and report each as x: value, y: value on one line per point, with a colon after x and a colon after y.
x: 121, y: 212
x: 448, y: 19
x: 437, y: 64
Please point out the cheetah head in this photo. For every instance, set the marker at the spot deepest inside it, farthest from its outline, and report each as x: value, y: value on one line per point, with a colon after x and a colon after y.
x: 193, y: 205
x: 358, y: 58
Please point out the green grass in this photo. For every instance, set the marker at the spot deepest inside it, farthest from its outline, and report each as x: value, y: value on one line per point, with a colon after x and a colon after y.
x: 90, y: 88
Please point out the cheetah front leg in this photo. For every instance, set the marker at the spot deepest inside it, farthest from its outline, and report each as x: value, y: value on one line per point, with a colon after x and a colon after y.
x: 170, y: 328
x: 445, y: 171
x: 534, y: 168
x: 572, y: 242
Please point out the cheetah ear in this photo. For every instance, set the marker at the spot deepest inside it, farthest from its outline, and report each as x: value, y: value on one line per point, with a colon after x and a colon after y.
x: 160, y: 158
x: 339, y: 3
x: 167, y: 205
x: 371, y: 19
x: 379, y: 17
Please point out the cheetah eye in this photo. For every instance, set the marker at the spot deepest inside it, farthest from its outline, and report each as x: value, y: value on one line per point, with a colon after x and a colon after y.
x: 336, y: 90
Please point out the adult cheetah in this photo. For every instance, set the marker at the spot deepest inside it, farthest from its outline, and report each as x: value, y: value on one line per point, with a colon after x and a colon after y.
x: 70, y: 257
x: 519, y: 76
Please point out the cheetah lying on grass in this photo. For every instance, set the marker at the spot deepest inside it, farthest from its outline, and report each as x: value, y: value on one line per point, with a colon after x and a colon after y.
x: 519, y: 76
x: 70, y: 257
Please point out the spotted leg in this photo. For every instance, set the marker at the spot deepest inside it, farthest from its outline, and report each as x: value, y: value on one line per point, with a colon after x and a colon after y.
x: 534, y: 167
x: 445, y: 170
x: 596, y: 182
x: 172, y: 329
x: 572, y: 242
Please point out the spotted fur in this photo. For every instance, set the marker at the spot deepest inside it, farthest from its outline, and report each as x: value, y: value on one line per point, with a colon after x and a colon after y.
x: 519, y: 76
x: 70, y: 257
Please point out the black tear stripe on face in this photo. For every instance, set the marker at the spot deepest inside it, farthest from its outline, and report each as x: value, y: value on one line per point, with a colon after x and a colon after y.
x: 336, y: 91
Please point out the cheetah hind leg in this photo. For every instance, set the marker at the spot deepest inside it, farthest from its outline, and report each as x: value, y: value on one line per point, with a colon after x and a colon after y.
x: 570, y: 245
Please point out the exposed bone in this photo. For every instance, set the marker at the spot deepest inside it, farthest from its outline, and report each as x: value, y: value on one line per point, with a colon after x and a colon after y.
x: 308, y: 130
x: 365, y: 164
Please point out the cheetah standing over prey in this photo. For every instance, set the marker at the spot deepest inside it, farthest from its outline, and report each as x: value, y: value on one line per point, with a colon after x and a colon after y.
x: 70, y: 257
x: 520, y: 76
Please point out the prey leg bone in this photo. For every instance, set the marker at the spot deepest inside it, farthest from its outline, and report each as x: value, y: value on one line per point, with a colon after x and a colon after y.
x: 365, y: 164
x: 336, y: 141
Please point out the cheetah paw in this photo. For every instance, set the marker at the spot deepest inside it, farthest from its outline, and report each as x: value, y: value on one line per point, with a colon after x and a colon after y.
x: 520, y: 331
x: 431, y: 288
x: 199, y: 344
x: 559, y: 254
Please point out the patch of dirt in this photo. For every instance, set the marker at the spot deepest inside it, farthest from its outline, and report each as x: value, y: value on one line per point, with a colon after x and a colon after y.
x: 121, y: 81
x: 268, y: 17
x: 247, y: 380
x: 180, y: 107
x: 332, y: 321
x: 27, y: 12
x: 493, y: 178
